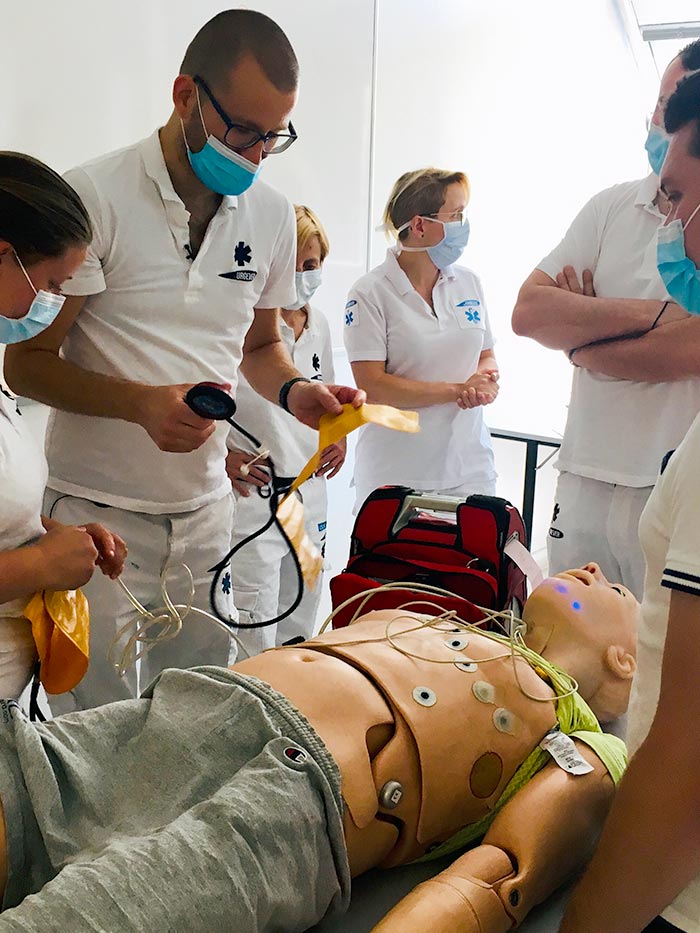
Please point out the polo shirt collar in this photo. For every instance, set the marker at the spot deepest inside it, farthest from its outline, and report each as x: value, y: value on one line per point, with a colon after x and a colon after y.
x: 156, y: 169
x: 646, y: 192
x: 398, y: 278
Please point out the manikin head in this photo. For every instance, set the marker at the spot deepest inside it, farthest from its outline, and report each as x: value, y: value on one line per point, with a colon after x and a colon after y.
x: 588, y: 627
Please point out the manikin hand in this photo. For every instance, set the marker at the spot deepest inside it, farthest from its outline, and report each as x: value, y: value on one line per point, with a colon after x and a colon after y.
x: 568, y: 280
x: 307, y: 401
x: 170, y: 422
x: 332, y: 459
x: 243, y: 476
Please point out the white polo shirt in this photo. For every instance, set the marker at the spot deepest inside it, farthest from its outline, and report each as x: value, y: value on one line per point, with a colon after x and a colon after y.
x: 387, y: 321
x: 156, y: 317
x: 668, y: 532
x: 290, y: 442
x: 22, y: 482
x: 618, y: 431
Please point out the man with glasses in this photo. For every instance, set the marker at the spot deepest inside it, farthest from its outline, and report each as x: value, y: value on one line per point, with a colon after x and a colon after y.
x: 189, y: 264
x: 630, y: 402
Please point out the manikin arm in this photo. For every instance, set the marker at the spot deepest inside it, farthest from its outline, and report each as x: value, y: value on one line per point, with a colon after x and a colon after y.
x: 538, y: 840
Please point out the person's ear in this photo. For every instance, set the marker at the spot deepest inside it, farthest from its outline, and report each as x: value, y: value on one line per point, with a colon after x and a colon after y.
x: 620, y: 662
x: 418, y: 225
x: 5, y: 248
x: 184, y: 96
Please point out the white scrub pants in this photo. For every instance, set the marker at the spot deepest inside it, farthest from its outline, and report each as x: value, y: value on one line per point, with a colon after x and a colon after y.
x: 596, y: 521
x: 487, y: 488
x: 18, y: 656
x: 264, y: 577
x: 198, y: 539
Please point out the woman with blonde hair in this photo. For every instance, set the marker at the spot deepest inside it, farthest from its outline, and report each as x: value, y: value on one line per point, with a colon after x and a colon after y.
x: 263, y: 572
x: 418, y: 337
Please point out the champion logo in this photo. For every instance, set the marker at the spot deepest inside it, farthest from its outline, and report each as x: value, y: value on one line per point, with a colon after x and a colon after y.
x: 295, y: 754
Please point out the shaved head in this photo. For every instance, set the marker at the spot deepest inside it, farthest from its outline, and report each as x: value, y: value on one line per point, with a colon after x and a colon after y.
x: 231, y: 36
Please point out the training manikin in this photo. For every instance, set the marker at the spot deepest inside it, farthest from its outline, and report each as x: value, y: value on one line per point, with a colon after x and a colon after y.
x: 426, y: 749
x: 246, y: 798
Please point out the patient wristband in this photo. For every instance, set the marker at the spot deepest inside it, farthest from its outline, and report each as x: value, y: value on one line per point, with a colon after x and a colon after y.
x: 284, y: 391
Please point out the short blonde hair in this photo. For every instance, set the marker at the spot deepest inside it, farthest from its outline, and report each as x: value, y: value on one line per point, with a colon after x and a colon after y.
x: 309, y: 226
x: 419, y: 192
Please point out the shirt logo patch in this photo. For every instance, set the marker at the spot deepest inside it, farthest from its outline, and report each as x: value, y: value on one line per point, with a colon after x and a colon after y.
x: 471, y: 309
x: 242, y: 254
x: 350, y: 314
x: 315, y: 362
x: 240, y: 275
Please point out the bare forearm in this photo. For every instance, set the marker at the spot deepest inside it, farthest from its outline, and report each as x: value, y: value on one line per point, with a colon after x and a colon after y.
x: 386, y: 389
x: 267, y: 368
x: 44, y: 376
x: 650, y: 848
x: 562, y: 320
x: 21, y: 573
x: 666, y: 354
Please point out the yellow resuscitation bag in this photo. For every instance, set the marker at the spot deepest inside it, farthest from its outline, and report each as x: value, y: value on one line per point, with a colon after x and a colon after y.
x: 61, y: 629
x: 331, y: 429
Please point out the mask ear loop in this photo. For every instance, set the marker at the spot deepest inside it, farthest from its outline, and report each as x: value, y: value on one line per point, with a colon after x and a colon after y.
x: 26, y: 274
x: 420, y: 249
x: 201, y: 120
x: 686, y: 224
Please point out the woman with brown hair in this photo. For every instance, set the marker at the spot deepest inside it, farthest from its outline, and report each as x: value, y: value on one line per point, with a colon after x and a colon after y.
x: 418, y: 337
x: 44, y: 234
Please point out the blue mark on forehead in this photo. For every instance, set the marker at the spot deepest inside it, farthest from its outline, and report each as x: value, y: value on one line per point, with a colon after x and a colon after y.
x: 561, y: 588
x: 576, y: 605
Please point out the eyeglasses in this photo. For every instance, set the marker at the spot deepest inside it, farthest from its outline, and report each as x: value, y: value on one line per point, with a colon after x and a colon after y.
x: 239, y: 136
x: 459, y: 217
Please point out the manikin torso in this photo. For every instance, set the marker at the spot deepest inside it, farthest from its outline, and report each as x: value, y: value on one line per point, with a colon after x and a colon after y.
x: 451, y: 737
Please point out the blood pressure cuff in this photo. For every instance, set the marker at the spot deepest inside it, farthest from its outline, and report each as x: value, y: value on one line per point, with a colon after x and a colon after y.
x: 61, y: 630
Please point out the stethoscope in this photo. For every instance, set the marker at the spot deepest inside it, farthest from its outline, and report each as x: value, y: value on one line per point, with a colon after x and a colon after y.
x: 213, y: 403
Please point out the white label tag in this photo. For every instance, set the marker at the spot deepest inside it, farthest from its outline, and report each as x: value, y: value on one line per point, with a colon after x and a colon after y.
x: 562, y: 749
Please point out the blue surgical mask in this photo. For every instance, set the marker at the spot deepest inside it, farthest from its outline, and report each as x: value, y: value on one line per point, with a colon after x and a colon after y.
x: 218, y: 167
x: 678, y: 272
x: 307, y: 283
x: 451, y: 246
x: 42, y: 312
x: 656, y: 146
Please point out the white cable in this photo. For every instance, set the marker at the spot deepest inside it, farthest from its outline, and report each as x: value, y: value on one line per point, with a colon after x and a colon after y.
x: 169, y: 617
x: 511, y: 625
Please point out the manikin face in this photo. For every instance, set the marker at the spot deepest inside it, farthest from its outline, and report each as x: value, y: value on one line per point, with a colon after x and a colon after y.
x: 16, y: 294
x: 579, y: 610
x: 680, y: 182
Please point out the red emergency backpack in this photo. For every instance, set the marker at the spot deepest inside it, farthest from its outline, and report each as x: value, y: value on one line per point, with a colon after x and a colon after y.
x: 402, y: 535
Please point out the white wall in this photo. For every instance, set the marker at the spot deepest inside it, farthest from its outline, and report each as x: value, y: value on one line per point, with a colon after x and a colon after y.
x: 541, y: 103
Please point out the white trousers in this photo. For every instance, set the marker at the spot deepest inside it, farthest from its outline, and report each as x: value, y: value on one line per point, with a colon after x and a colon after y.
x: 17, y: 656
x: 596, y: 521
x: 264, y: 576
x: 198, y: 539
